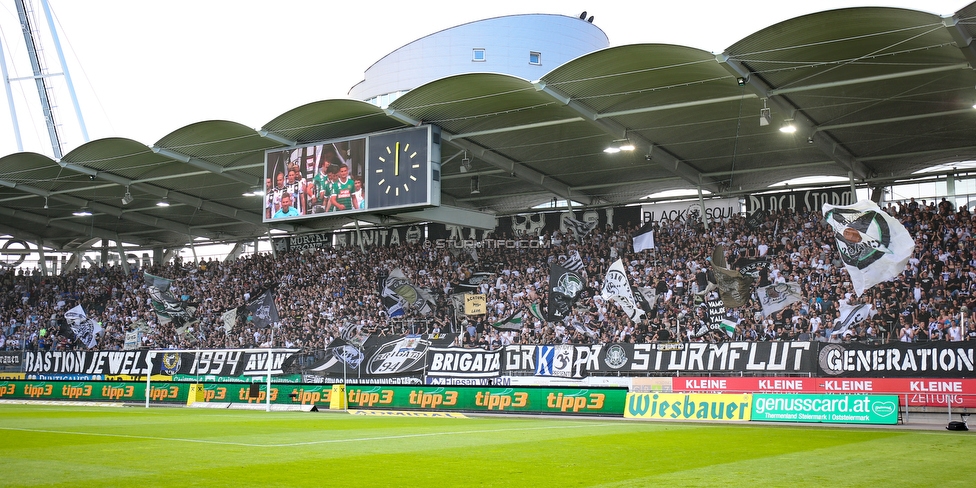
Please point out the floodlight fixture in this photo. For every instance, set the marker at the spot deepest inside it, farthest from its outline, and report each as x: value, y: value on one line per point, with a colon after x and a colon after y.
x: 765, y: 115
x: 620, y: 145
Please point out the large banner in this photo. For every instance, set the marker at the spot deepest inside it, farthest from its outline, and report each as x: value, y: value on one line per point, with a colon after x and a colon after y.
x: 460, y: 362
x: 10, y: 360
x: 520, y: 230
x: 380, y: 357
x: 408, y: 359
x: 221, y: 362
x: 578, y: 361
x: 319, y: 240
x: 387, y: 237
x: 716, y: 209
x: 224, y: 362
x: 800, y: 201
x: 510, y: 232
x: 934, y: 360
x: 703, y: 357
x: 86, y: 362
x: 897, y: 359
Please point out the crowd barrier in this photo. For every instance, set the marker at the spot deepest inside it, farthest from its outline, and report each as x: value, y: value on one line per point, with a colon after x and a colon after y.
x: 728, y: 381
x: 871, y: 401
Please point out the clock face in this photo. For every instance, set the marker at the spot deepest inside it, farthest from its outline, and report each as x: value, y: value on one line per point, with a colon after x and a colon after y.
x: 398, y: 168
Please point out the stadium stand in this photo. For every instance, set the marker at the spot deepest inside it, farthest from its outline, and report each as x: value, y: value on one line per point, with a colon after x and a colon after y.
x: 323, y: 294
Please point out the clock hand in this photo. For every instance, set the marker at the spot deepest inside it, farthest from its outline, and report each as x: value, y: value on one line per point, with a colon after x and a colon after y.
x: 396, y: 159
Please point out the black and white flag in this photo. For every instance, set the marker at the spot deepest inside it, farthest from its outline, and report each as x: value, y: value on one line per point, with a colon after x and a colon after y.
x: 616, y: 288
x: 404, y: 294
x: 473, y: 282
x: 85, y: 329
x: 646, y: 297
x: 168, y: 308
x: 756, y: 219
x: 644, y: 238
x: 579, y: 228
x: 851, y: 315
x: 263, y: 310
x: 873, y: 245
x: 565, y: 287
x: 574, y: 262
x: 778, y: 296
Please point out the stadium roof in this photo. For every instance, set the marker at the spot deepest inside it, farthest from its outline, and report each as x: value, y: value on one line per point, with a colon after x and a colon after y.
x: 877, y: 93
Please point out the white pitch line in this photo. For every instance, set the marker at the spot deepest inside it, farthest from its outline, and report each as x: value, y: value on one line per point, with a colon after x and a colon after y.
x: 129, y: 436
x: 296, y: 444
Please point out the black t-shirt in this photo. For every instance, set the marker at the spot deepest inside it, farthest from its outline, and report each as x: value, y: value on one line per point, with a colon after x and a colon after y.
x: 664, y: 335
x: 701, y: 279
x: 922, y: 335
x: 787, y: 314
x: 926, y: 284
x: 954, y: 284
x: 923, y: 316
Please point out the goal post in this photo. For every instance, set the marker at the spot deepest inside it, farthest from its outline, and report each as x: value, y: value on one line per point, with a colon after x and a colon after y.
x: 154, y: 355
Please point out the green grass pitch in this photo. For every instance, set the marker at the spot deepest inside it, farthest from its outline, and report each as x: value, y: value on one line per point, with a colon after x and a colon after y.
x: 180, y: 447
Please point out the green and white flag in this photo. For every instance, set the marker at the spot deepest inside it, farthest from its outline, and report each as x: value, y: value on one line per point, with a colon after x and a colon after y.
x: 537, y: 312
x: 728, y: 326
x: 512, y: 322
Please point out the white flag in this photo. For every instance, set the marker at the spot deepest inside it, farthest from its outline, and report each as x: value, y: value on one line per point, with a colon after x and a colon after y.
x: 873, y: 245
x: 850, y: 315
x: 229, y: 319
x: 616, y: 288
x: 76, y: 315
x: 87, y: 332
x: 778, y: 296
x: 644, y: 239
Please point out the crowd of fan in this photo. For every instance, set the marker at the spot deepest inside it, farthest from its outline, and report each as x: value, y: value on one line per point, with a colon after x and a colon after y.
x: 324, y: 294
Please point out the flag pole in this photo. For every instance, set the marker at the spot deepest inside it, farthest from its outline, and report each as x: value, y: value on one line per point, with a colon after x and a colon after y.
x: 267, y: 396
x: 701, y: 202
x: 149, y: 358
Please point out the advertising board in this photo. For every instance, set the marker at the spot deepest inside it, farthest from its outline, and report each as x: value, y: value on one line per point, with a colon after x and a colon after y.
x: 689, y: 406
x: 835, y: 409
